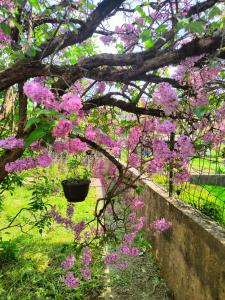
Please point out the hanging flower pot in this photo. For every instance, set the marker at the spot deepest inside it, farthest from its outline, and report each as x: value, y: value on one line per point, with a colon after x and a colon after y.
x: 76, y: 191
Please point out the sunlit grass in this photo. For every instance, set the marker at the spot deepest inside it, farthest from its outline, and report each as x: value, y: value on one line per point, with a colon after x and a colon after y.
x: 35, y: 274
x: 207, y: 198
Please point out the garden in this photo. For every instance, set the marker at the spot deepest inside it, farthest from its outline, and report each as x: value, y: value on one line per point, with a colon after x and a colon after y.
x: 98, y: 97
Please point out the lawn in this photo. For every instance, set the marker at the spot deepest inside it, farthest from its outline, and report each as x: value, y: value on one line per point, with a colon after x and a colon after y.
x: 34, y: 273
x: 207, y: 198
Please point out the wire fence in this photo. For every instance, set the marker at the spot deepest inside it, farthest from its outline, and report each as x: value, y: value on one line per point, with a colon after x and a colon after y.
x: 206, y: 189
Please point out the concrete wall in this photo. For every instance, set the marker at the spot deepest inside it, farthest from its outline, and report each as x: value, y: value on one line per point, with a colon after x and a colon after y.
x: 191, y: 255
x: 216, y: 179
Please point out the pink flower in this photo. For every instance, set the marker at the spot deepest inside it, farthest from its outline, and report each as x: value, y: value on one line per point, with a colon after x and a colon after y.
x: 78, y: 228
x: 76, y: 145
x: 128, y: 238
x: 71, y: 103
x: 11, y: 143
x: 20, y: 165
x: 44, y: 160
x: 100, y: 87
x: 38, y: 93
x: 4, y: 38
x: 160, y: 225
x: 91, y: 133
x: 70, y: 211
x: 71, y: 281
x: 111, y: 258
x: 106, y: 39
x: 133, y: 251
x: 182, y: 176
x: 86, y: 257
x: 122, y: 265
x: 86, y: 273
x: 138, y: 226
x: 134, y: 137
x: 160, y: 149
x: 155, y: 165
x: 165, y: 96
x: 68, y: 262
x: 166, y: 127
x: 134, y: 160
x: 137, y: 203
x: 62, y: 129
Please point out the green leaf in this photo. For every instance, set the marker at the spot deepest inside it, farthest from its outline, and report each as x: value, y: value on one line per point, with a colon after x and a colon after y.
x: 31, y: 52
x: 200, y: 111
x: 145, y: 35
x: 5, y: 28
x: 35, y: 4
x: 214, y: 12
x: 196, y: 26
x: 149, y: 43
x: 140, y: 10
x: 32, y: 121
x: 37, y: 134
x: 46, y: 112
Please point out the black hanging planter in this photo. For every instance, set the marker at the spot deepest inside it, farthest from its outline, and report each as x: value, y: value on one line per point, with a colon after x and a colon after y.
x: 76, y: 191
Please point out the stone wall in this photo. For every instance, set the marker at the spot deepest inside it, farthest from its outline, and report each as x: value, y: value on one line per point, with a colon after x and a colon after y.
x: 216, y: 179
x: 191, y: 255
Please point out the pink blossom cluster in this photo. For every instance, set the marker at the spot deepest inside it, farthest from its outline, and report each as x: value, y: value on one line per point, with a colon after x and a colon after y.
x: 70, y: 211
x: 62, y: 129
x: 111, y: 258
x: 36, y: 146
x: 155, y: 166
x: 166, y: 97
x: 100, y: 87
x: 129, y: 251
x: 39, y: 93
x: 160, y: 225
x: 184, y: 147
x: 166, y: 127
x: 8, y: 4
x: 137, y: 203
x: 77, y: 88
x: 71, y: 103
x: 150, y: 125
x: 91, y: 133
x: 11, y: 143
x: 160, y: 148
x: 68, y: 263
x: 78, y: 228
x: 71, y: 281
x: 103, y: 170
x: 128, y: 34
x: 72, y: 146
x: 182, y: 176
x: 4, y: 39
x: 134, y: 137
x: 67, y: 222
x: 134, y: 160
x: 200, y: 99
x: 107, y: 39
x: 20, y: 165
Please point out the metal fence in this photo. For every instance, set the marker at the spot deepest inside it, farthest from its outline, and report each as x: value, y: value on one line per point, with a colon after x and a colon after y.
x: 206, y: 189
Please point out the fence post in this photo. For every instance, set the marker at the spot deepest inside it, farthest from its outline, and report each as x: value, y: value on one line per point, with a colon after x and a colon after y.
x: 171, y: 146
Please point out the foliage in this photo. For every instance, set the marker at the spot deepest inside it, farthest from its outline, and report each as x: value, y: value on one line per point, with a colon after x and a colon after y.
x: 61, y: 95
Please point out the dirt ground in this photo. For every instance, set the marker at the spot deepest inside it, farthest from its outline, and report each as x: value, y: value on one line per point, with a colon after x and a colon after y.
x: 141, y: 281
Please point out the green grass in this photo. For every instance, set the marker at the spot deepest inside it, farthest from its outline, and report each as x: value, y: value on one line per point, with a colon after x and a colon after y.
x: 207, y: 198
x: 35, y: 273
x: 207, y: 165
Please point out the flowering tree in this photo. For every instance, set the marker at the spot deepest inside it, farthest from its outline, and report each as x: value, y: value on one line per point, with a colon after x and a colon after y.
x: 153, y: 97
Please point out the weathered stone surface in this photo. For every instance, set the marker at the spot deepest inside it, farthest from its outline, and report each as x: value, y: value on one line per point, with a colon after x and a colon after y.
x: 215, y: 179
x: 191, y: 255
